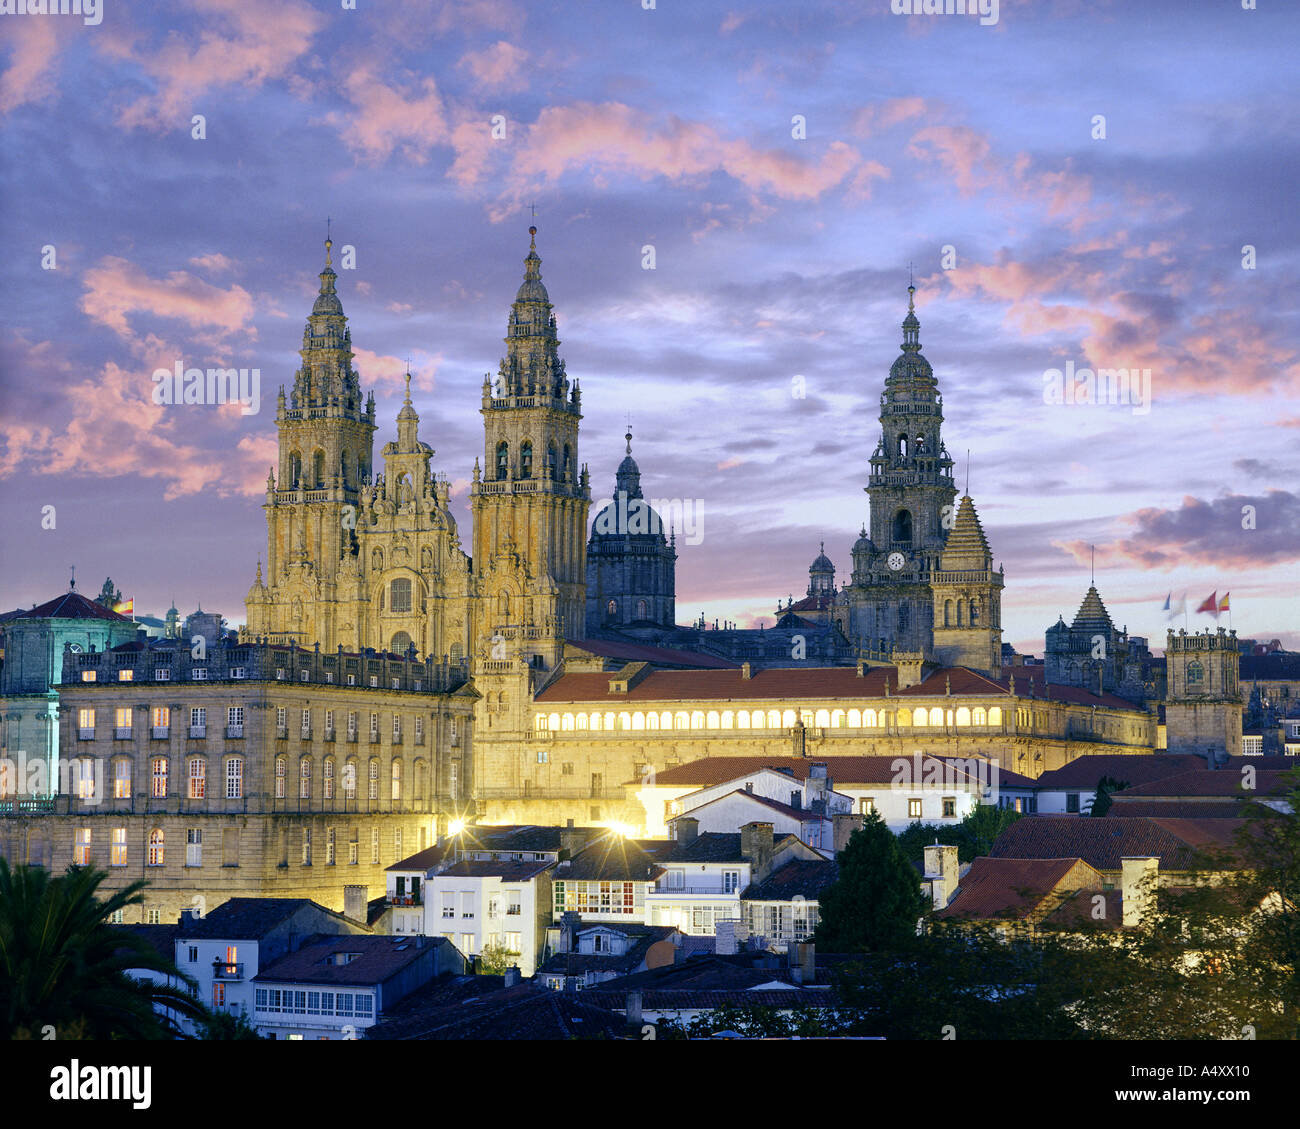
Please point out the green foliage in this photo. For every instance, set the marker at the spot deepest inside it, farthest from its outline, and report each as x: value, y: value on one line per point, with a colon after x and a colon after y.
x: 62, y: 966
x: 973, y: 836
x: 226, y: 1026
x: 1105, y: 786
x: 494, y: 959
x: 876, y: 901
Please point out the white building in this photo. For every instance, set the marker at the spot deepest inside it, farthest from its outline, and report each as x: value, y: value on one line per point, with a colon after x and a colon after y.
x: 475, y: 903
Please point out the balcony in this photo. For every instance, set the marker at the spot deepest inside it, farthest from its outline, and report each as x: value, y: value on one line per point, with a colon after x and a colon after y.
x: 329, y: 735
x: 352, y: 737
x: 161, y: 732
x: 406, y: 899
x: 281, y: 733
x: 397, y: 738
x: 374, y: 738
x: 305, y: 733
x: 198, y: 730
x: 715, y: 888
x: 223, y: 971
x: 122, y: 733
x: 85, y: 734
x: 234, y: 730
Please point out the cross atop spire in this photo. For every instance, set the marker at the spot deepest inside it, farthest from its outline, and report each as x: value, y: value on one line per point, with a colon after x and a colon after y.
x: 628, y: 436
x: 72, y: 583
x: 329, y: 242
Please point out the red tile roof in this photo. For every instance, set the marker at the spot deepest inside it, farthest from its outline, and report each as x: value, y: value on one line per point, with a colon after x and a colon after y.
x: 1205, y: 782
x: 643, y: 652
x: 72, y: 605
x: 1009, y: 887
x: 1177, y: 809
x: 844, y: 771
x: 1135, y: 768
x: 1103, y: 841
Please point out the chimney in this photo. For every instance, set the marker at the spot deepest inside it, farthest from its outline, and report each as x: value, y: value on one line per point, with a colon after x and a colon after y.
x: 803, y: 963
x: 746, y: 671
x: 354, y: 902
x: 187, y: 919
x: 512, y: 976
x: 569, y: 923
x: 843, y: 824
x: 727, y: 938
x: 757, y: 843
x: 942, y: 872
x: 633, y: 1009
x: 815, y: 791
x: 687, y: 828
x: 1139, y: 880
x: 572, y: 840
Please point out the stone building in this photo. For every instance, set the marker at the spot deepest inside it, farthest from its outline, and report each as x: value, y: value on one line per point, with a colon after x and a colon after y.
x: 1091, y: 651
x: 257, y: 770
x: 631, y: 562
x: 1203, y: 709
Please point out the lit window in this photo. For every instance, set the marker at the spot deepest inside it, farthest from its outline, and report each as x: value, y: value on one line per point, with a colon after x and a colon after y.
x: 304, y: 778
x: 117, y: 847
x: 122, y: 780
x: 158, y: 778
x: 281, y: 770
x: 126, y: 675
x: 198, y: 778
x: 156, y: 847
x: 81, y: 846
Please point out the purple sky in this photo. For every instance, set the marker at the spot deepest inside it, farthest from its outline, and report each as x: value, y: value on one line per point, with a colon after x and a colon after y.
x: 776, y: 257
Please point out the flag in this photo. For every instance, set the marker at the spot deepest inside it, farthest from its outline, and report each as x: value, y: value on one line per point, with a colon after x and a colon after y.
x: 1211, y: 606
x: 126, y: 607
x: 1171, y: 609
x: 1223, y: 604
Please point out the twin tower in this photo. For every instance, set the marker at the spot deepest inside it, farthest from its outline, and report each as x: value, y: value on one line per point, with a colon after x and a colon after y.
x: 360, y: 557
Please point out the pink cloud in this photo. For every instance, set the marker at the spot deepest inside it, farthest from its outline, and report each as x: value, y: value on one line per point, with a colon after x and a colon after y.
x: 889, y: 112
x: 499, y: 67
x: 33, y: 47
x: 117, y: 288
x: 239, y: 44
x: 387, y: 119
x: 215, y: 262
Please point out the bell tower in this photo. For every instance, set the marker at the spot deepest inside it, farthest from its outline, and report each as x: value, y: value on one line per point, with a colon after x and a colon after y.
x: 530, y: 497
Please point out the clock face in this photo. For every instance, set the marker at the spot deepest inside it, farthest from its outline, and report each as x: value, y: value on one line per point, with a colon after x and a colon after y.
x: 895, y: 561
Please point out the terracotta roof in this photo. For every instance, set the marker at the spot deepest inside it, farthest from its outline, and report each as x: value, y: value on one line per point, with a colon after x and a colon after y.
x: 1139, y: 768
x: 613, y: 859
x: 642, y: 937
x: 1007, y: 888
x: 643, y: 652
x: 789, y: 810
x: 1034, y: 678
x: 686, y: 999
x: 1078, y: 910
x: 244, y: 919
x: 72, y: 605
x: 708, y: 846
x: 818, y: 603
x: 421, y: 860
x: 1205, y: 782
x: 802, y: 878
x: 524, y: 1011
x: 377, y: 959
x: 1176, y: 809
x: 1103, y: 841
x: 506, y: 871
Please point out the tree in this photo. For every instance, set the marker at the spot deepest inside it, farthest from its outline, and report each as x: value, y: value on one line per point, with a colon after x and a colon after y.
x: 973, y: 836
x: 876, y: 901
x: 227, y: 1026
x: 1105, y: 786
x: 493, y: 959
x: 63, y: 966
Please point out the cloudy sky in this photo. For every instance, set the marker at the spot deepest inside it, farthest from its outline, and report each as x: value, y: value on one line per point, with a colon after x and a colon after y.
x: 1074, y: 184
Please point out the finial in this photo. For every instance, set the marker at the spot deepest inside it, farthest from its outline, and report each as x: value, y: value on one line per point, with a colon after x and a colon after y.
x: 328, y: 241
x: 72, y: 584
x: 628, y: 436
x: 968, y: 472
x: 1093, y: 581
x: 532, y: 238
x: 408, y: 380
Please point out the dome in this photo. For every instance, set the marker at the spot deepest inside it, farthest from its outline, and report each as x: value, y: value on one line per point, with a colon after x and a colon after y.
x: 863, y: 543
x: 822, y: 563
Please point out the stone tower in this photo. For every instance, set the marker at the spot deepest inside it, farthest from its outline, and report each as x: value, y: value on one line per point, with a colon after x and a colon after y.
x: 821, y: 575
x: 968, y: 598
x: 889, y: 602
x: 530, y: 499
x: 1203, y: 703
x: 631, y: 564
x: 326, y: 439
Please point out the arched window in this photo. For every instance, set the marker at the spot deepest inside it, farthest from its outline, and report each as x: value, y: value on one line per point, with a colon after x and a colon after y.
x: 947, y: 613
x: 822, y: 718
x: 652, y: 720
x: 638, y: 720
x: 1195, y: 674
x: 566, y: 722
x: 350, y: 780
x: 974, y: 612
x: 855, y: 719
x: 869, y: 719
x: 304, y: 778
x: 936, y: 716
x: 401, y: 642
x: 343, y: 469
x: 773, y: 719
x: 665, y: 720
x: 612, y: 608
x: 711, y: 719
x: 697, y: 719
x: 625, y: 721
x: 681, y: 720
x: 552, y: 466
x: 526, y: 460
x: 960, y: 618
x: 397, y: 780
x: 156, y: 847
x: 399, y: 596
x: 318, y: 468
x: 642, y: 609
x: 553, y: 722
x: 503, y: 603
x: 295, y: 470
x: 581, y: 721
x: 503, y: 460
x: 837, y: 719
x: 742, y: 719
x: 726, y: 720
x: 903, y: 527
x: 198, y: 778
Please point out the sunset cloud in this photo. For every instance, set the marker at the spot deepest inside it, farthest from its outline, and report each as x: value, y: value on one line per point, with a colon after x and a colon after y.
x: 117, y: 289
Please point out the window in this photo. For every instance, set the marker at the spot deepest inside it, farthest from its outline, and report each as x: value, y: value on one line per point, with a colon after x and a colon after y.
x: 235, y: 720
x: 503, y: 460
x: 373, y: 781
x: 353, y: 846
x: 306, y: 722
x: 198, y: 778
x: 306, y: 846
x: 84, y: 788
x: 81, y: 846
x: 397, y: 844
x: 397, y: 780
x: 327, y: 779
x: 913, y: 809
x: 234, y: 778
x: 374, y: 845
x: 199, y: 674
x: 350, y: 780
x: 88, y: 676
x: 153, y: 916
x: 329, y: 847
x: 281, y: 717
x: 156, y: 847
x: 526, y: 460
x: 949, y: 807
x: 448, y: 906
x: 730, y: 880
x: 218, y: 994
x: 329, y: 721
x: 117, y: 847
x: 86, y: 723
x: 162, y: 674
x: 198, y: 717
x: 158, y: 778
x: 122, y: 780
x: 1072, y: 803
x: 374, y: 727
x: 1195, y: 674
x: 193, y: 848
x: 352, y: 724
x: 162, y: 717
x: 122, y: 723
x: 419, y: 729
x: 304, y: 778
x: 193, y: 955
x: 542, y: 756
x: 397, y: 728
x: 281, y: 771
x: 400, y: 595
x: 126, y: 675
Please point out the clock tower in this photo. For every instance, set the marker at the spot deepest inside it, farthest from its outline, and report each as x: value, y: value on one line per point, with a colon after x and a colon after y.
x: 889, y: 602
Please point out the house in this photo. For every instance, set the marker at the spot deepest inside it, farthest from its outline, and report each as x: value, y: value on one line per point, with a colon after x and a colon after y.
x: 782, y: 909
x: 704, y: 874
x: 402, y: 909
x: 1018, y: 894
x: 1071, y: 789
x: 337, y: 987
x: 225, y: 949
x: 505, y: 905
x: 607, y: 881
x: 903, y: 790
x: 734, y: 809
x: 582, y: 955
x: 1205, y: 794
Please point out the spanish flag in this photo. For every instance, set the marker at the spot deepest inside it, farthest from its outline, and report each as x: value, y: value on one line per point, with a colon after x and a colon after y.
x: 1223, y: 604
x: 126, y: 607
x: 1211, y: 606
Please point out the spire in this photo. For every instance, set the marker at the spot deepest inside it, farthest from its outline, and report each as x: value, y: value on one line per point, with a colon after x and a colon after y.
x: 532, y: 365
x: 1092, y: 613
x: 911, y: 323
x: 628, y: 477
x: 967, y: 549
